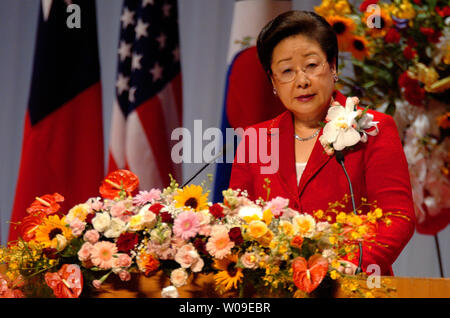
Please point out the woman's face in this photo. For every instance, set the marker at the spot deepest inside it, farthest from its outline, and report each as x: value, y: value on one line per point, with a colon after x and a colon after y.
x: 302, y: 77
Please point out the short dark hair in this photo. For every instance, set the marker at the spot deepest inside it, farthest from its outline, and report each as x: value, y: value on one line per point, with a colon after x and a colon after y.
x: 292, y: 23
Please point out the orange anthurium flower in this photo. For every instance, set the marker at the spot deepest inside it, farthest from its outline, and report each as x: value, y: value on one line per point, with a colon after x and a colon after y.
x: 307, y: 275
x: 67, y: 282
x: 117, y: 181
x: 47, y: 204
x: 28, y: 227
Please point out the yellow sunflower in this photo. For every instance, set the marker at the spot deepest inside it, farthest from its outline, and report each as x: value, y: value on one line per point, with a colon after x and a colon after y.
x: 229, y: 275
x: 344, y: 28
x: 47, y: 232
x: 377, y: 25
x: 359, y: 47
x: 191, y: 196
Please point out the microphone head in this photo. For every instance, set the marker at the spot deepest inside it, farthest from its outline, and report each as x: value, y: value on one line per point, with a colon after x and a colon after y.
x: 339, y: 156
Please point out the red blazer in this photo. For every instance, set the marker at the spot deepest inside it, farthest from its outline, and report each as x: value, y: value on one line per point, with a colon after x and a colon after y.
x: 378, y: 171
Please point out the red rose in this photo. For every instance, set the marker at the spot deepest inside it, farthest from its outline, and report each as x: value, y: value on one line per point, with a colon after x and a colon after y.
x: 166, y: 217
x: 126, y: 242
x: 216, y: 210
x: 392, y: 36
x: 236, y: 235
x: 366, y: 3
x: 418, y: 2
x: 409, y: 53
x: 156, y: 208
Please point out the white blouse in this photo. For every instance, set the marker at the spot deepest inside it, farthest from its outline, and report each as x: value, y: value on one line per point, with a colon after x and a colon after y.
x: 299, y: 167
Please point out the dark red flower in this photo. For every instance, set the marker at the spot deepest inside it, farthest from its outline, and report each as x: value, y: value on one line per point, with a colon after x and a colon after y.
x: 411, y: 42
x: 89, y: 218
x: 166, y: 217
x: 443, y: 12
x: 126, y: 242
x: 409, y: 53
x: 236, y: 235
x: 50, y: 253
x: 216, y: 210
x: 392, y: 36
x: 415, y: 96
x: 418, y: 2
x: 200, y: 245
x: 366, y: 3
x: 156, y: 208
x: 405, y: 81
x: 431, y: 34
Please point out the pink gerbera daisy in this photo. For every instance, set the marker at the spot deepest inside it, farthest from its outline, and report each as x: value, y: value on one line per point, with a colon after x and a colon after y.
x: 144, y: 197
x: 102, y: 254
x: 219, y: 245
x: 186, y: 225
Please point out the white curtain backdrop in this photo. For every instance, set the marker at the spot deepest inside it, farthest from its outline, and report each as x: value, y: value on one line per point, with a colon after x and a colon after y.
x: 204, y: 33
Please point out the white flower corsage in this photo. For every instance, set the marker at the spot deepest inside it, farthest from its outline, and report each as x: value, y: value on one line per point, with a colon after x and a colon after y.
x: 346, y: 126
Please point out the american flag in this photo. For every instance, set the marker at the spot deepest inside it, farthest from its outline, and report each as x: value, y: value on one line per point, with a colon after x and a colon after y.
x: 148, y: 104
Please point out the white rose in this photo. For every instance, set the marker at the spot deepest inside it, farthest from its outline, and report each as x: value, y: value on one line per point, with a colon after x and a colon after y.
x: 305, y: 225
x: 179, y: 277
x: 117, y: 227
x: 101, y: 221
x: 169, y: 292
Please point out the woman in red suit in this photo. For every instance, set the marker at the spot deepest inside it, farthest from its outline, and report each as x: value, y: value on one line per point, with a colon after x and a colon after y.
x: 299, y: 52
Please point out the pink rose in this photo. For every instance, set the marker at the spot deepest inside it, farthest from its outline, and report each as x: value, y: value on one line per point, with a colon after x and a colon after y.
x: 124, y: 275
x: 85, y: 252
x: 179, y: 277
x: 91, y: 236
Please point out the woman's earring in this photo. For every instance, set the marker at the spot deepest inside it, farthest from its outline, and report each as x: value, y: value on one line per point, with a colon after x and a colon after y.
x: 274, y: 91
x: 335, y: 77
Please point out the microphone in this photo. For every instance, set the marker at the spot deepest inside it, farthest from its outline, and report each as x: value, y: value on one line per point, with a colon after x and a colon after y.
x: 340, y: 159
x: 223, y: 151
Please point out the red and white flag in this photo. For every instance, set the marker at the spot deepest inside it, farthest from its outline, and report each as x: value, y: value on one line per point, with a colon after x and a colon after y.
x: 62, y: 148
x: 148, y: 104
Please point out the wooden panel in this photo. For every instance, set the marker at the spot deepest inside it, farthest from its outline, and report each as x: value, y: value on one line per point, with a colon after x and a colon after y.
x: 203, y: 287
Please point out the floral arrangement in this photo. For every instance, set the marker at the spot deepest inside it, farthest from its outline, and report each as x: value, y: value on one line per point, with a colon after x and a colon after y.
x: 396, y: 55
x: 263, y: 244
x: 346, y: 126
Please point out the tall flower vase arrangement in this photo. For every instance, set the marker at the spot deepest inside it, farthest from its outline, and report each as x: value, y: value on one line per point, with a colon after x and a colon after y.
x: 395, y: 56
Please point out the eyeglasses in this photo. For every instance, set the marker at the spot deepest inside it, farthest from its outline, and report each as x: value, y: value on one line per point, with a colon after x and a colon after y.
x: 288, y: 74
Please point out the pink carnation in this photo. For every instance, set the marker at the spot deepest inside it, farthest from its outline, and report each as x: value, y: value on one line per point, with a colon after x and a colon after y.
x: 122, y: 260
x: 188, y: 257
x: 102, y: 254
x: 186, y: 225
x: 277, y: 205
x: 124, y: 275
x: 84, y: 253
x: 77, y: 226
x: 144, y: 197
x: 91, y: 236
x: 120, y: 210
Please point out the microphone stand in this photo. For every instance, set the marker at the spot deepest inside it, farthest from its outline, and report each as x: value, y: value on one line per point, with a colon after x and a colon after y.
x: 340, y: 160
x: 223, y: 151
